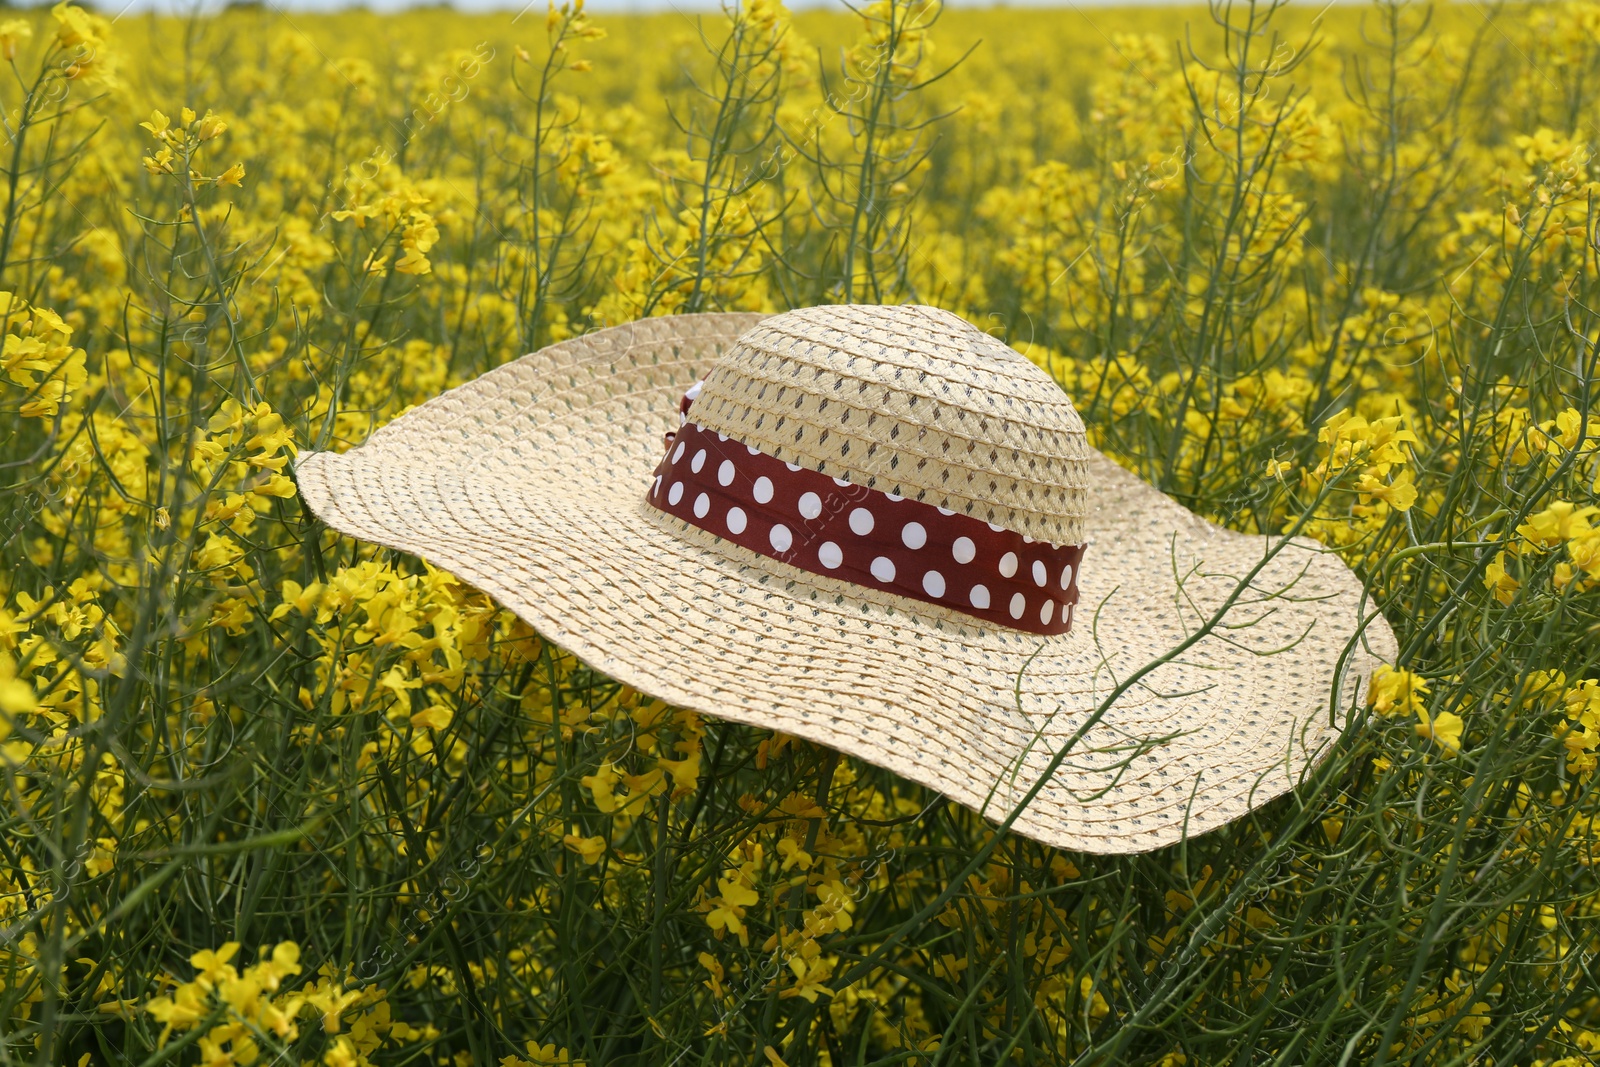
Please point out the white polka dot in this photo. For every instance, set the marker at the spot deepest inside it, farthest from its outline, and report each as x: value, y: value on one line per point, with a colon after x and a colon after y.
x: 1066, y: 576
x: 722, y: 437
x: 781, y: 538
x: 702, y: 504
x: 964, y: 550
x: 995, y: 528
x: 841, y: 482
x: 1040, y: 575
x: 753, y: 450
x: 1027, y: 540
x: 657, y: 490
x: 912, y: 535
x: 1019, y: 604
x: 830, y: 555
x: 894, y: 497
x: 933, y: 583
x: 675, y: 494
x: 693, y: 392
x: 677, y: 453
x: 883, y: 569
x: 810, y: 505
x: 1008, y: 565
x: 792, y: 466
x: 861, y: 522
x: 944, y: 511
x: 698, y: 461
x: 1046, y: 612
x: 725, y: 473
x: 979, y: 597
x: 736, y: 520
x: 1069, y: 615
x: 762, y: 490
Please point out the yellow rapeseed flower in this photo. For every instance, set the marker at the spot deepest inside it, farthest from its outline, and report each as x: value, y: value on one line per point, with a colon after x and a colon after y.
x: 12, y: 33
x: 590, y: 848
x: 17, y: 696
x: 1560, y: 522
x: 1396, y: 691
x: 1500, y: 583
x: 1399, y: 494
x: 1444, y: 729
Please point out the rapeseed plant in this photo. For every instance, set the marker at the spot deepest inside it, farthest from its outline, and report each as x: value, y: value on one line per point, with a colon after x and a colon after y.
x: 1331, y: 274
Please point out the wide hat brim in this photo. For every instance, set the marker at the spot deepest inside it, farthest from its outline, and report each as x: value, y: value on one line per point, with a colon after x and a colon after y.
x: 529, y: 482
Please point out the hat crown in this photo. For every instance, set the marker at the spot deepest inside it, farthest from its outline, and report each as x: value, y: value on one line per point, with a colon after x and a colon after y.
x: 909, y: 400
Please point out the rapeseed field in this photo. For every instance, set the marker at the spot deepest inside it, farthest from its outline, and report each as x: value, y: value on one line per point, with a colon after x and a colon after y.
x: 273, y: 796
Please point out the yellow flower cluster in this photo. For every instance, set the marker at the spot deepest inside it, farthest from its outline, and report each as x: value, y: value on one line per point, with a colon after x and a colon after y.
x: 180, y: 144
x: 241, y: 1010
x: 1396, y: 691
x: 37, y: 358
x: 1364, y: 460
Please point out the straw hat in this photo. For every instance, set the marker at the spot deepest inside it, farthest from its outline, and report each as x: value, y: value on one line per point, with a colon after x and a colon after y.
x: 545, y: 484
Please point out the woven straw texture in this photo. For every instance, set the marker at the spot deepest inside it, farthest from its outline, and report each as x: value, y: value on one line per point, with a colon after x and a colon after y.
x: 912, y: 401
x: 529, y: 483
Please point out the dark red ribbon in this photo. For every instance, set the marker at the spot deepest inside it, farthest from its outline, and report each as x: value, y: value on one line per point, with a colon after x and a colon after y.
x: 829, y: 526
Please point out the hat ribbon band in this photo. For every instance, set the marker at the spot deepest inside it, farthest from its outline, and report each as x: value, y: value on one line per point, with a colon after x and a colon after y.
x: 843, y: 530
